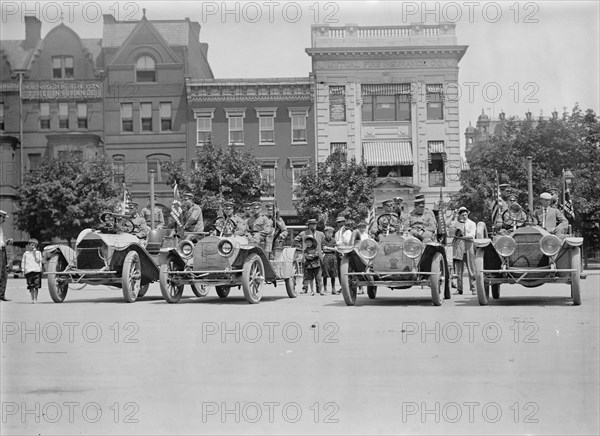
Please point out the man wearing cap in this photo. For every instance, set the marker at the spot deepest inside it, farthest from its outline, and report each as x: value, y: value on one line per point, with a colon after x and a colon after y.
x: 3, y: 258
x: 230, y: 223
x: 140, y: 228
x: 422, y: 222
x: 463, y: 230
x: 512, y: 218
x: 554, y: 202
x: 279, y: 230
x: 246, y: 212
x: 193, y: 221
x: 312, y: 231
x: 159, y: 219
x: 550, y: 218
x: 389, y: 222
x: 259, y: 225
x: 342, y: 234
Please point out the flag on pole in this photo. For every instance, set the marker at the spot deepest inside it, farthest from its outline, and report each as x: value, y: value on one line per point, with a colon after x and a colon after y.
x: 371, y: 217
x: 126, y: 199
x: 176, y: 210
x: 568, y: 206
x: 496, y: 206
x: 442, y: 230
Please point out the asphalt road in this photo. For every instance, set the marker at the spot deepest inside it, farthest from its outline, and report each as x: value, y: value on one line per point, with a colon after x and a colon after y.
x: 526, y: 364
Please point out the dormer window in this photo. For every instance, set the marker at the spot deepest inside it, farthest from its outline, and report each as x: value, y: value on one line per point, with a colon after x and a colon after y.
x: 145, y: 69
x: 62, y: 67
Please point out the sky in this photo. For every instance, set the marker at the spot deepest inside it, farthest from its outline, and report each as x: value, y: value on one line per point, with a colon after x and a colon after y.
x: 536, y: 56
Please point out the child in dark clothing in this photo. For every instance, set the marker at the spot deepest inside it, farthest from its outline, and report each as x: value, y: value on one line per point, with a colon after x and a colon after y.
x: 330, y: 264
x: 312, y: 265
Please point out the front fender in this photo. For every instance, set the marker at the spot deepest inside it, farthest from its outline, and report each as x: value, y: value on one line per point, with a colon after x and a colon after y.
x: 171, y: 253
x: 573, y: 241
x: 66, y: 252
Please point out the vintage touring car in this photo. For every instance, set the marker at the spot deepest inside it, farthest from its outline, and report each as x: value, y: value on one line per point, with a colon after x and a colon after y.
x: 529, y: 256
x: 397, y: 262
x: 108, y: 256
x: 226, y: 262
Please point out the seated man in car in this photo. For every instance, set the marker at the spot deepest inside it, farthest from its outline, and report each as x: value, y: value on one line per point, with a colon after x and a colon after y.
x: 230, y: 223
x: 550, y: 218
x: 140, y: 228
x: 512, y: 218
x: 422, y: 222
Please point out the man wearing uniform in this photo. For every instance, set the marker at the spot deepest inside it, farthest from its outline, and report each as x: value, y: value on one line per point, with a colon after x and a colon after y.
x: 422, y: 221
x: 504, y: 194
x: 388, y: 223
x: 512, y: 218
x: 280, y: 231
x: 159, y: 219
x: 550, y: 218
x: 140, y: 228
x: 246, y: 212
x: 259, y: 226
x: 230, y: 223
x: 193, y: 220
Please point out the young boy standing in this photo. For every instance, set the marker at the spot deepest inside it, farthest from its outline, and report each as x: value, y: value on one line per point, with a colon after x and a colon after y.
x: 312, y: 265
x: 31, y: 265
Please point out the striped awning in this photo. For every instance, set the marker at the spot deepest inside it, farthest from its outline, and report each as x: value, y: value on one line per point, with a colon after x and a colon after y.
x: 436, y: 87
x: 387, y: 153
x: 436, y: 147
x: 385, y: 89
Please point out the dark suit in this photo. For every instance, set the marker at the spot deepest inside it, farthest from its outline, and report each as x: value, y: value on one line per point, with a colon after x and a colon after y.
x: 551, y: 219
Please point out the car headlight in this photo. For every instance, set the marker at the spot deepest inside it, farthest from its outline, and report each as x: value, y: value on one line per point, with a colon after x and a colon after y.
x: 413, y: 248
x: 505, y: 246
x: 367, y: 248
x: 185, y: 249
x: 550, y: 245
x: 225, y: 248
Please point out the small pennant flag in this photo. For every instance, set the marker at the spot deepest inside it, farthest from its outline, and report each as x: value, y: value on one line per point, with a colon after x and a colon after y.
x: 176, y: 210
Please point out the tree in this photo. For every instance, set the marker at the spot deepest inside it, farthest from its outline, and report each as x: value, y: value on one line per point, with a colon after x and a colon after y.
x: 572, y: 142
x: 64, y: 196
x: 336, y: 187
x: 218, y: 174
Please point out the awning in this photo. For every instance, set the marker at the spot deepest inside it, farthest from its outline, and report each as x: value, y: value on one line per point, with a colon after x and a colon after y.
x: 385, y: 89
x: 436, y: 147
x: 387, y: 153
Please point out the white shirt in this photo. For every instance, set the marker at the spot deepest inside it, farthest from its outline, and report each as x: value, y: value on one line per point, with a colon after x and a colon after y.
x: 469, y: 228
x: 32, y: 261
x: 342, y: 236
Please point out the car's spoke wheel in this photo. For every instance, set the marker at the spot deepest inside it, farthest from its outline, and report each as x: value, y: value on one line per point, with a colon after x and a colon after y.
x: 57, y: 285
x: 437, y: 280
x: 199, y: 290
x: 372, y: 292
x: 253, y: 278
x: 496, y: 291
x: 483, y: 290
x: 223, y: 291
x: 575, y: 276
x: 143, y: 290
x: 131, y: 277
x: 170, y: 291
x: 347, y: 283
x: 291, y: 283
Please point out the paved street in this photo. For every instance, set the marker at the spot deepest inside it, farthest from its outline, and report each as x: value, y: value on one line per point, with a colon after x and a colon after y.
x: 527, y: 364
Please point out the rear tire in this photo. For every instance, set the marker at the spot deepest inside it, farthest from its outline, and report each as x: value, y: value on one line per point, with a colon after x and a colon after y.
x: 483, y: 291
x: 576, y: 276
x: 372, y: 292
x: 223, y: 291
x: 199, y: 290
x: 143, y: 290
x: 496, y: 291
x: 291, y: 283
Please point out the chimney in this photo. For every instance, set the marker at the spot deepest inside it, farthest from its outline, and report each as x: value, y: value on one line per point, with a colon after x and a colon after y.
x: 528, y: 116
x: 33, y: 31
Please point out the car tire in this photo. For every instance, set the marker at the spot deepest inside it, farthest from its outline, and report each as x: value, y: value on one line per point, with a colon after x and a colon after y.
x: 253, y: 278
x: 372, y: 292
x: 576, y: 276
x: 223, y: 291
x: 199, y: 290
x: 57, y: 287
x: 496, y: 291
x: 483, y: 291
x: 131, y: 278
x: 143, y: 290
x: 291, y: 283
x: 437, y: 280
x: 170, y: 292
x: 349, y: 288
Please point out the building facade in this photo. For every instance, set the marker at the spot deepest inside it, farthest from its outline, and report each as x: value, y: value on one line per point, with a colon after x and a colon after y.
x: 384, y: 94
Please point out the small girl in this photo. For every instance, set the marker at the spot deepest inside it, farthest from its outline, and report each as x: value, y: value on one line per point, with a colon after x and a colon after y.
x: 31, y: 265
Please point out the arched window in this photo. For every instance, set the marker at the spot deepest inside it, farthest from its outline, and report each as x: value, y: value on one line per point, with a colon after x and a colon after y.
x: 145, y: 69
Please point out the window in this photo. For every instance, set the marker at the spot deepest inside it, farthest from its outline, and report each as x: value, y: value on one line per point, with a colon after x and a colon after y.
x: 298, y: 116
x: 1, y: 116
x: 266, y: 125
x: 126, y: 117
x: 338, y: 146
x: 146, y: 116
x: 299, y: 167
x: 436, y: 170
x: 82, y: 122
x: 236, y: 130
x: 402, y: 172
x: 389, y: 102
x: 34, y: 161
x: 337, y: 103
x: 153, y: 163
x: 166, y: 124
x: 62, y: 67
x: 435, y: 105
x: 44, y: 115
x: 267, y: 178
x: 119, y: 168
x: 63, y: 115
x: 204, y: 130
x: 145, y: 70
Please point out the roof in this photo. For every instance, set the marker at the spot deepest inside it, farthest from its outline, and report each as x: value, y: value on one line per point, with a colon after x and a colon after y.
x: 175, y: 32
x: 18, y: 58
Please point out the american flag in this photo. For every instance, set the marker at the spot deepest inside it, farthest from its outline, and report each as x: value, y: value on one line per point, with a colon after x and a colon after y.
x: 442, y: 230
x: 126, y: 200
x: 371, y: 217
x: 568, y: 206
x: 496, y: 207
x: 176, y: 206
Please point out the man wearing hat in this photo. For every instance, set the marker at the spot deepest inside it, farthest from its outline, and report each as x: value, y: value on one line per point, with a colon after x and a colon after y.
x: 421, y: 221
x: 311, y: 231
x: 463, y: 230
x: 550, y: 218
x: 279, y: 232
x: 246, y: 212
x: 230, y: 223
x: 159, y: 219
x: 504, y: 193
x: 342, y: 234
x: 512, y: 218
x: 193, y: 221
x: 554, y: 202
x: 389, y: 222
x: 3, y: 258
x: 140, y: 228
x: 259, y: 225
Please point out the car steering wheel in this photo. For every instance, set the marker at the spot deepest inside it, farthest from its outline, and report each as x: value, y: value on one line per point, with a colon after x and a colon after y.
x: 228, y: 222
x: 126, y: 225
x: 381, y: 224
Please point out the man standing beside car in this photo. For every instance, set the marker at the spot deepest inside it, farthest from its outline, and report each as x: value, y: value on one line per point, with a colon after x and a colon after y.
x: 3, y: 259
x: 463, y: 230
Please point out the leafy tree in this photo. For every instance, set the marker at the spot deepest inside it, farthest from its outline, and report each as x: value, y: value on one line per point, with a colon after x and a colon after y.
x: 64, y: 196
x: 336, y: 187
x: 218, y: 173
x: 572, y: 142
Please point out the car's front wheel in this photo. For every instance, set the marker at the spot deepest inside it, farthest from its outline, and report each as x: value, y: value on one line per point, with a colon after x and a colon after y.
x: 57, y: 285
x: 437, y: 280
x: 483, y: 291
x: 253, y: 278
x: 132, y: 277
x: 170, y: 290
x: 348, y: 284
x: 291, y: 283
